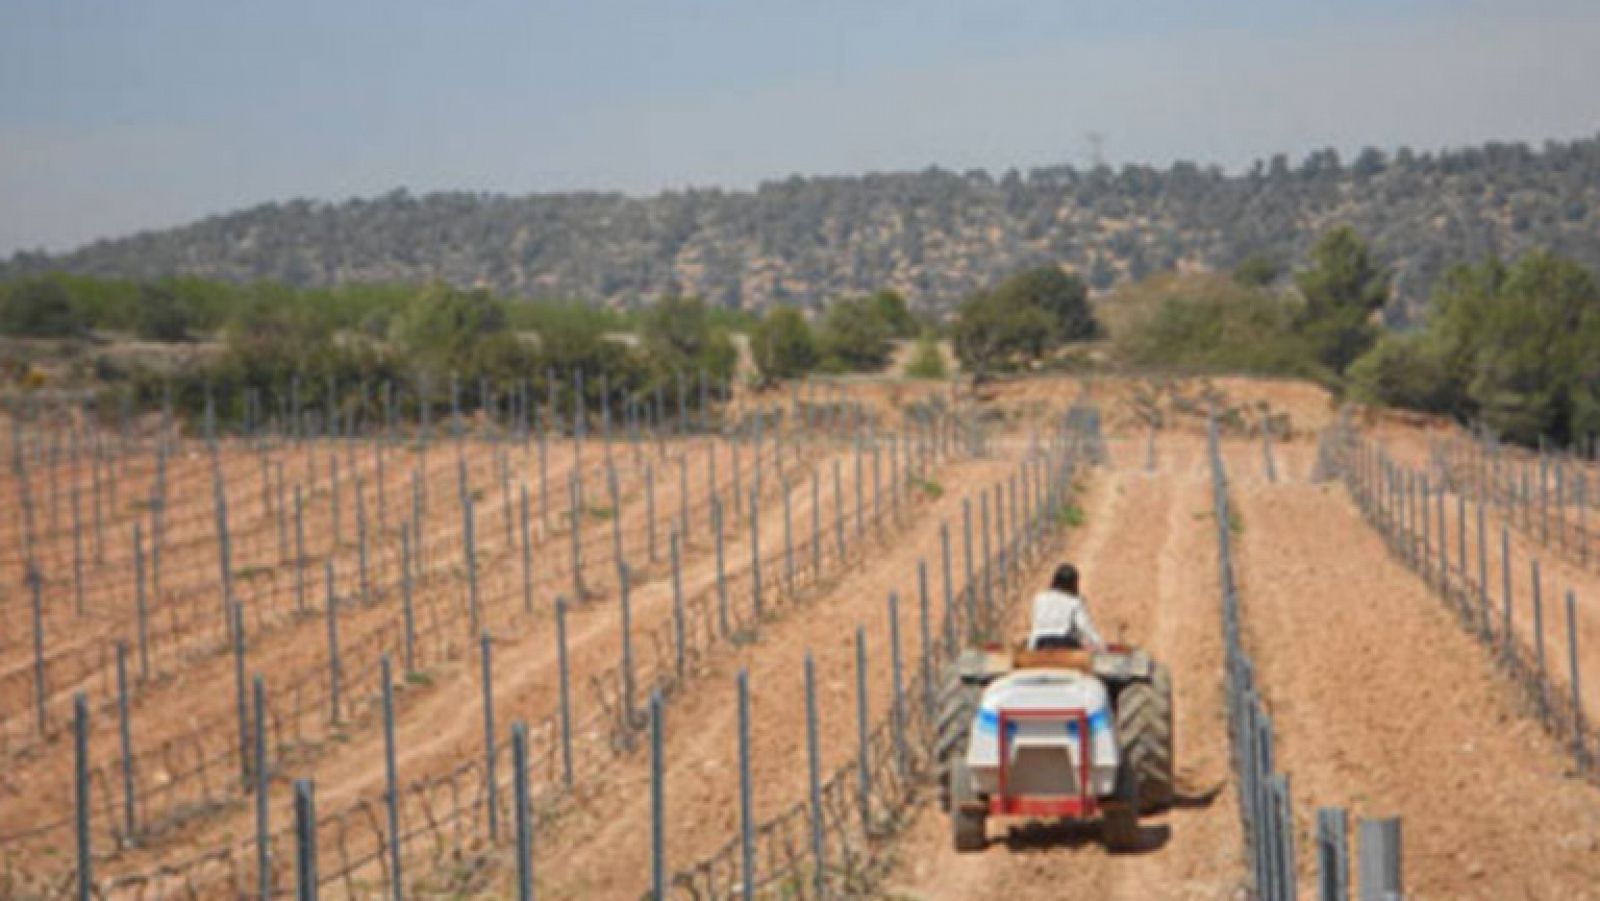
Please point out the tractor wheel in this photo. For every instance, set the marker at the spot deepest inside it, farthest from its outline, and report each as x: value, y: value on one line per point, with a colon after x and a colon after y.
x: 1144, y: 733
x: 967, y: 826
x: 958, y: 704
x: 1119, y: 825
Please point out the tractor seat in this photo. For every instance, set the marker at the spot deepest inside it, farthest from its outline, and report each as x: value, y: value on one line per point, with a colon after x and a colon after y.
x: 1053, y: 658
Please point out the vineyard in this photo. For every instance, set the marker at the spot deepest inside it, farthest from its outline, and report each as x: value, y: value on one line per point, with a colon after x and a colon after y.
x: 690, y: 647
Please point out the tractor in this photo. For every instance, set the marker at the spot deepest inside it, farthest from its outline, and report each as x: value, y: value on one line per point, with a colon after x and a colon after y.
x: 1059, y: 733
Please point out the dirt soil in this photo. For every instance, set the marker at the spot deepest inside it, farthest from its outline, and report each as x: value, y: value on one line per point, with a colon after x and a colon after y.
x: 1514, y: 541
x: 1384, y: 705
x: 601, y: 849
x: 439, y: 725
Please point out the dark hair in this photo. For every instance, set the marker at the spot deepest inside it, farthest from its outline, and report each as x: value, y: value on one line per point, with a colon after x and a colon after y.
x: 1066, y: 579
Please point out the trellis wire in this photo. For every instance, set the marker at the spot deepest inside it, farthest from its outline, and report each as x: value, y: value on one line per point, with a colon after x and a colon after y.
x: 213, y: 858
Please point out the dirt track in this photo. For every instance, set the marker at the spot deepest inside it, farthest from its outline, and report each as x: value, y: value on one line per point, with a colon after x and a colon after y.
x: 1381, y: 705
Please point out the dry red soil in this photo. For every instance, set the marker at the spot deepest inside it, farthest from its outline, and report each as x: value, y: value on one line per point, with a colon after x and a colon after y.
x: 601, y: 851
x: 194, y: 705
x: 1381, y: 702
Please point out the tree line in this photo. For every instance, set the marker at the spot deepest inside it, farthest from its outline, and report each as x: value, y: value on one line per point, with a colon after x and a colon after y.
x: 1513, y: 345
x: 935, y: 236
x: 269, y: 337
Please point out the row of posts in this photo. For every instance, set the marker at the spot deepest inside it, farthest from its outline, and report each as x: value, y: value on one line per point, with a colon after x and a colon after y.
x: 1045, y: 484
x: 1264, y: 798
x: 226, y: 568
x: 1549, y: 495
x: 1412, y: 512
x: 254, y: 752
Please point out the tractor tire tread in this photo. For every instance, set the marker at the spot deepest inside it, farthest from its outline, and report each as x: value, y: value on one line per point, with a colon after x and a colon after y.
x: 1144, y: 731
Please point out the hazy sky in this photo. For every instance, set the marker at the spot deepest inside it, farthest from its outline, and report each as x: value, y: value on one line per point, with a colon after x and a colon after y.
x: 119, y: 116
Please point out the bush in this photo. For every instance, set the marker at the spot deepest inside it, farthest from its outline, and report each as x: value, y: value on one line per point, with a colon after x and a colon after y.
x: 927, y: 359
x: 1256, y: 272
x: 1208, y: 323
x: 1062, y: 296
x: 997, y: 332
x: 854, y: 336
x: 160, y: 315
x: 446, y: 330
x: 1021, y: 321
x: 895, y: 315
x: 782, y: 345
x: 1523, y: 344
x: 38, y: 308
x: 678, y: 338
x: 1516, y: 347
x: 1405, y: 370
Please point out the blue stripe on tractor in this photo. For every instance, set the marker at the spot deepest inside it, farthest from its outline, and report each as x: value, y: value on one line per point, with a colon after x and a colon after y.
x: 988, y: 721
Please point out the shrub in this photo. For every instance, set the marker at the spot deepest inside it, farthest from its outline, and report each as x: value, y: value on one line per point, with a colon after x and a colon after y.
x: 1516, y: 347
x: 38, y: 308
x: 927, y: 359
x: 854, y: 336
x: 892, y: 311
x: 782, y: 345
x: 678, y: 338
x: 160, y: 315
x: 1208, y: 323
x: 1062, y: 296
x: 997, y: 332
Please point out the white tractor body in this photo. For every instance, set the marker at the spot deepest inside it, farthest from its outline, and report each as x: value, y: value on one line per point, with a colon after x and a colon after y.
x: 1043, y: 711
x: 1054, y: 734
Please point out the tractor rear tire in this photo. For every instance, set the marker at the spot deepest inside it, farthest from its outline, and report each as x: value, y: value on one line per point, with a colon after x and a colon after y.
x: 968, y: 826
x: 1144, y: 733
x: 1119, y: 824
x: 958, y: 704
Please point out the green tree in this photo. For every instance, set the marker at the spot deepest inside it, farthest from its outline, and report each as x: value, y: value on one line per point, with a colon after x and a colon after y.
x: 678, y: 338
x: 782, y: 345
x: 100, y: 303
x: 1342, y: 288
x: 1538, y: 354
x: 268, y: 341
x: 1516, y: 347
x: 38, y: 308
x: 1063, y: 296
x: 854, y: 337
x: 674, y: 331
x: 720, y: 356
x: 160, y: 315
x: 444, y: 330
x: 995, y: 333
x: 1256, y: 272
x: 574, y: 337
x: 896, y: 316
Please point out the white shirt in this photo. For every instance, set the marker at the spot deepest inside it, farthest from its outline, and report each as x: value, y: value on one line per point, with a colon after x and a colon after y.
x: 1059, y: 613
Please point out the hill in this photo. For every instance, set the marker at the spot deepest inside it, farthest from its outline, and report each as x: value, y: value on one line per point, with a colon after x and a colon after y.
x: 933, y: 235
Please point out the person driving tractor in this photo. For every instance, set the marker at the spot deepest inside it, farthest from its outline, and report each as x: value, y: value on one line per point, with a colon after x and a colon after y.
x: 1060, y: 619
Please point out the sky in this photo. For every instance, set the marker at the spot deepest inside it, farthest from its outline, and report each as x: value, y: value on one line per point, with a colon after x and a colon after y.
x: 121, y: 116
